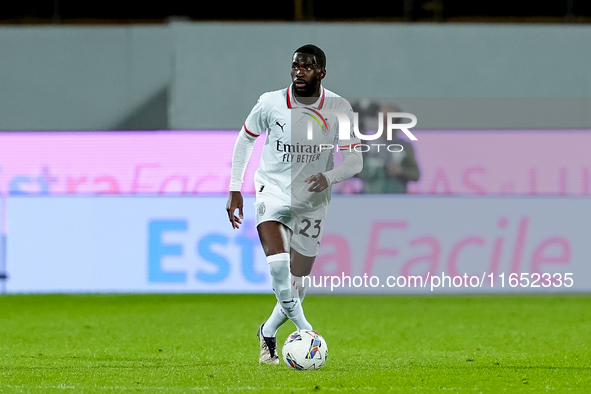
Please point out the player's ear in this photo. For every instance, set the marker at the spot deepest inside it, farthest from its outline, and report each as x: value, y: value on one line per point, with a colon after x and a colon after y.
x: 322, y: 73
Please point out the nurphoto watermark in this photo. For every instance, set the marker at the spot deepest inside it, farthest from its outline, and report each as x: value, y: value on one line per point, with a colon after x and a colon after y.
x: 390, y: 128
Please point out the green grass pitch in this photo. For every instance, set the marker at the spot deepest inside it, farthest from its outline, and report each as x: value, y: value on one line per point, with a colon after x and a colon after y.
x: 207, y: 343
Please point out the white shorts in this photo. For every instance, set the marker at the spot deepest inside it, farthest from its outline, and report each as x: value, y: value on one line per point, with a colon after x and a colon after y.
x: 307, y: 226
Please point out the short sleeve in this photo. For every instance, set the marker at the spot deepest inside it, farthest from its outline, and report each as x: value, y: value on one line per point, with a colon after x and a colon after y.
x: 256, y: 121
x: 352, y: 141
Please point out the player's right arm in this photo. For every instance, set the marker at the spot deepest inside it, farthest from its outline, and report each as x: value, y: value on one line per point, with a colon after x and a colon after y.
x: 252, y: 128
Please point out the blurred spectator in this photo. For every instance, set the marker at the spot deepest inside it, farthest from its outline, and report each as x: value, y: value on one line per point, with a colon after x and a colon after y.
x: 385, y: 171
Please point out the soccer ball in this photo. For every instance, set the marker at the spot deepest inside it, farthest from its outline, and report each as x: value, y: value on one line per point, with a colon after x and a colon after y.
x: 305, y: 349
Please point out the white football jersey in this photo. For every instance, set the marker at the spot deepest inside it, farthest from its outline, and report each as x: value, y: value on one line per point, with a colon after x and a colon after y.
x: 289, y: 155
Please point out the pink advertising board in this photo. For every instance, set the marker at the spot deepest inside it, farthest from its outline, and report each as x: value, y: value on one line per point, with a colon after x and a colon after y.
x: 195, y: 162
x: 119, y: 162
x: 550, y: 162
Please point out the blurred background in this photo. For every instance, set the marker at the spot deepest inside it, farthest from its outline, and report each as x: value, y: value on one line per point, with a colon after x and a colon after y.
x: 68, y: 11
x: 117, y: 124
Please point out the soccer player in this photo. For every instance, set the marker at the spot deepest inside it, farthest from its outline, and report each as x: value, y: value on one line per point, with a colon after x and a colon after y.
x: 293, y: 182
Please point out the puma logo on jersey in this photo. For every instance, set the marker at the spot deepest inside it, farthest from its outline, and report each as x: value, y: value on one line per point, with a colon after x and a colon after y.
x: 280, y: 125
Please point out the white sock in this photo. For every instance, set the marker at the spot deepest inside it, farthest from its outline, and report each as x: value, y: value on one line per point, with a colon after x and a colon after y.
x: 281, y: 279
x: 278, y: 317
x: 274, y: 321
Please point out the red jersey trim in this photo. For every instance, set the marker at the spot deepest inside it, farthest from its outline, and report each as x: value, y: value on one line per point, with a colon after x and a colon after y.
x: 288, y: 98
x: 245, y: 129
x: 322, y: 102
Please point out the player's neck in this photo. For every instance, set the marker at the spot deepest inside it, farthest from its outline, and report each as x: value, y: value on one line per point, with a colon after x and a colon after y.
x: 307, y: 100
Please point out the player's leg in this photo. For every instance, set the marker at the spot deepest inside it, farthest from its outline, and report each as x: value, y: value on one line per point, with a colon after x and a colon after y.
x: 304, y: 247
x: 300, y: 266
x: 275, y: 240
x: 274, y: 236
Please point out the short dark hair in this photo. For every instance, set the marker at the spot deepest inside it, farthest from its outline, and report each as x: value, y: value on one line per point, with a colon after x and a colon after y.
x: 314, y: 50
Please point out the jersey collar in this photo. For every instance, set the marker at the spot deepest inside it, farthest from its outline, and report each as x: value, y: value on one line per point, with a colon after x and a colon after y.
x: 292, y: 102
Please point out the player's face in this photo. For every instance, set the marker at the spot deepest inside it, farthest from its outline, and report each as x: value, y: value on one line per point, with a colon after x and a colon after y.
x: 305, y: 74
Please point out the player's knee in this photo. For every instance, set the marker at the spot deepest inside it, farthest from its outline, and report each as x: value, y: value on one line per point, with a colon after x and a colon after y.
x: 301, y: 265
x: 274, y: 238
x: 279, y: 270
x: 273, y: 249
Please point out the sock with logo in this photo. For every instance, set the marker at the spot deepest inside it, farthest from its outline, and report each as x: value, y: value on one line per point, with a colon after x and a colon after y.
x: 282, y: 284
x: 278, y: 317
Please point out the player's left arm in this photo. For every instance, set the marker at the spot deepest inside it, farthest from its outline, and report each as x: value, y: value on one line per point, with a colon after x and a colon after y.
x: 352, y: 162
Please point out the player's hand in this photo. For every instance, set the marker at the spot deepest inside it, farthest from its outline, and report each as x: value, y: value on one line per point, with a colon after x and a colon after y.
x: 235, y: 202
x: 318, y: 181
